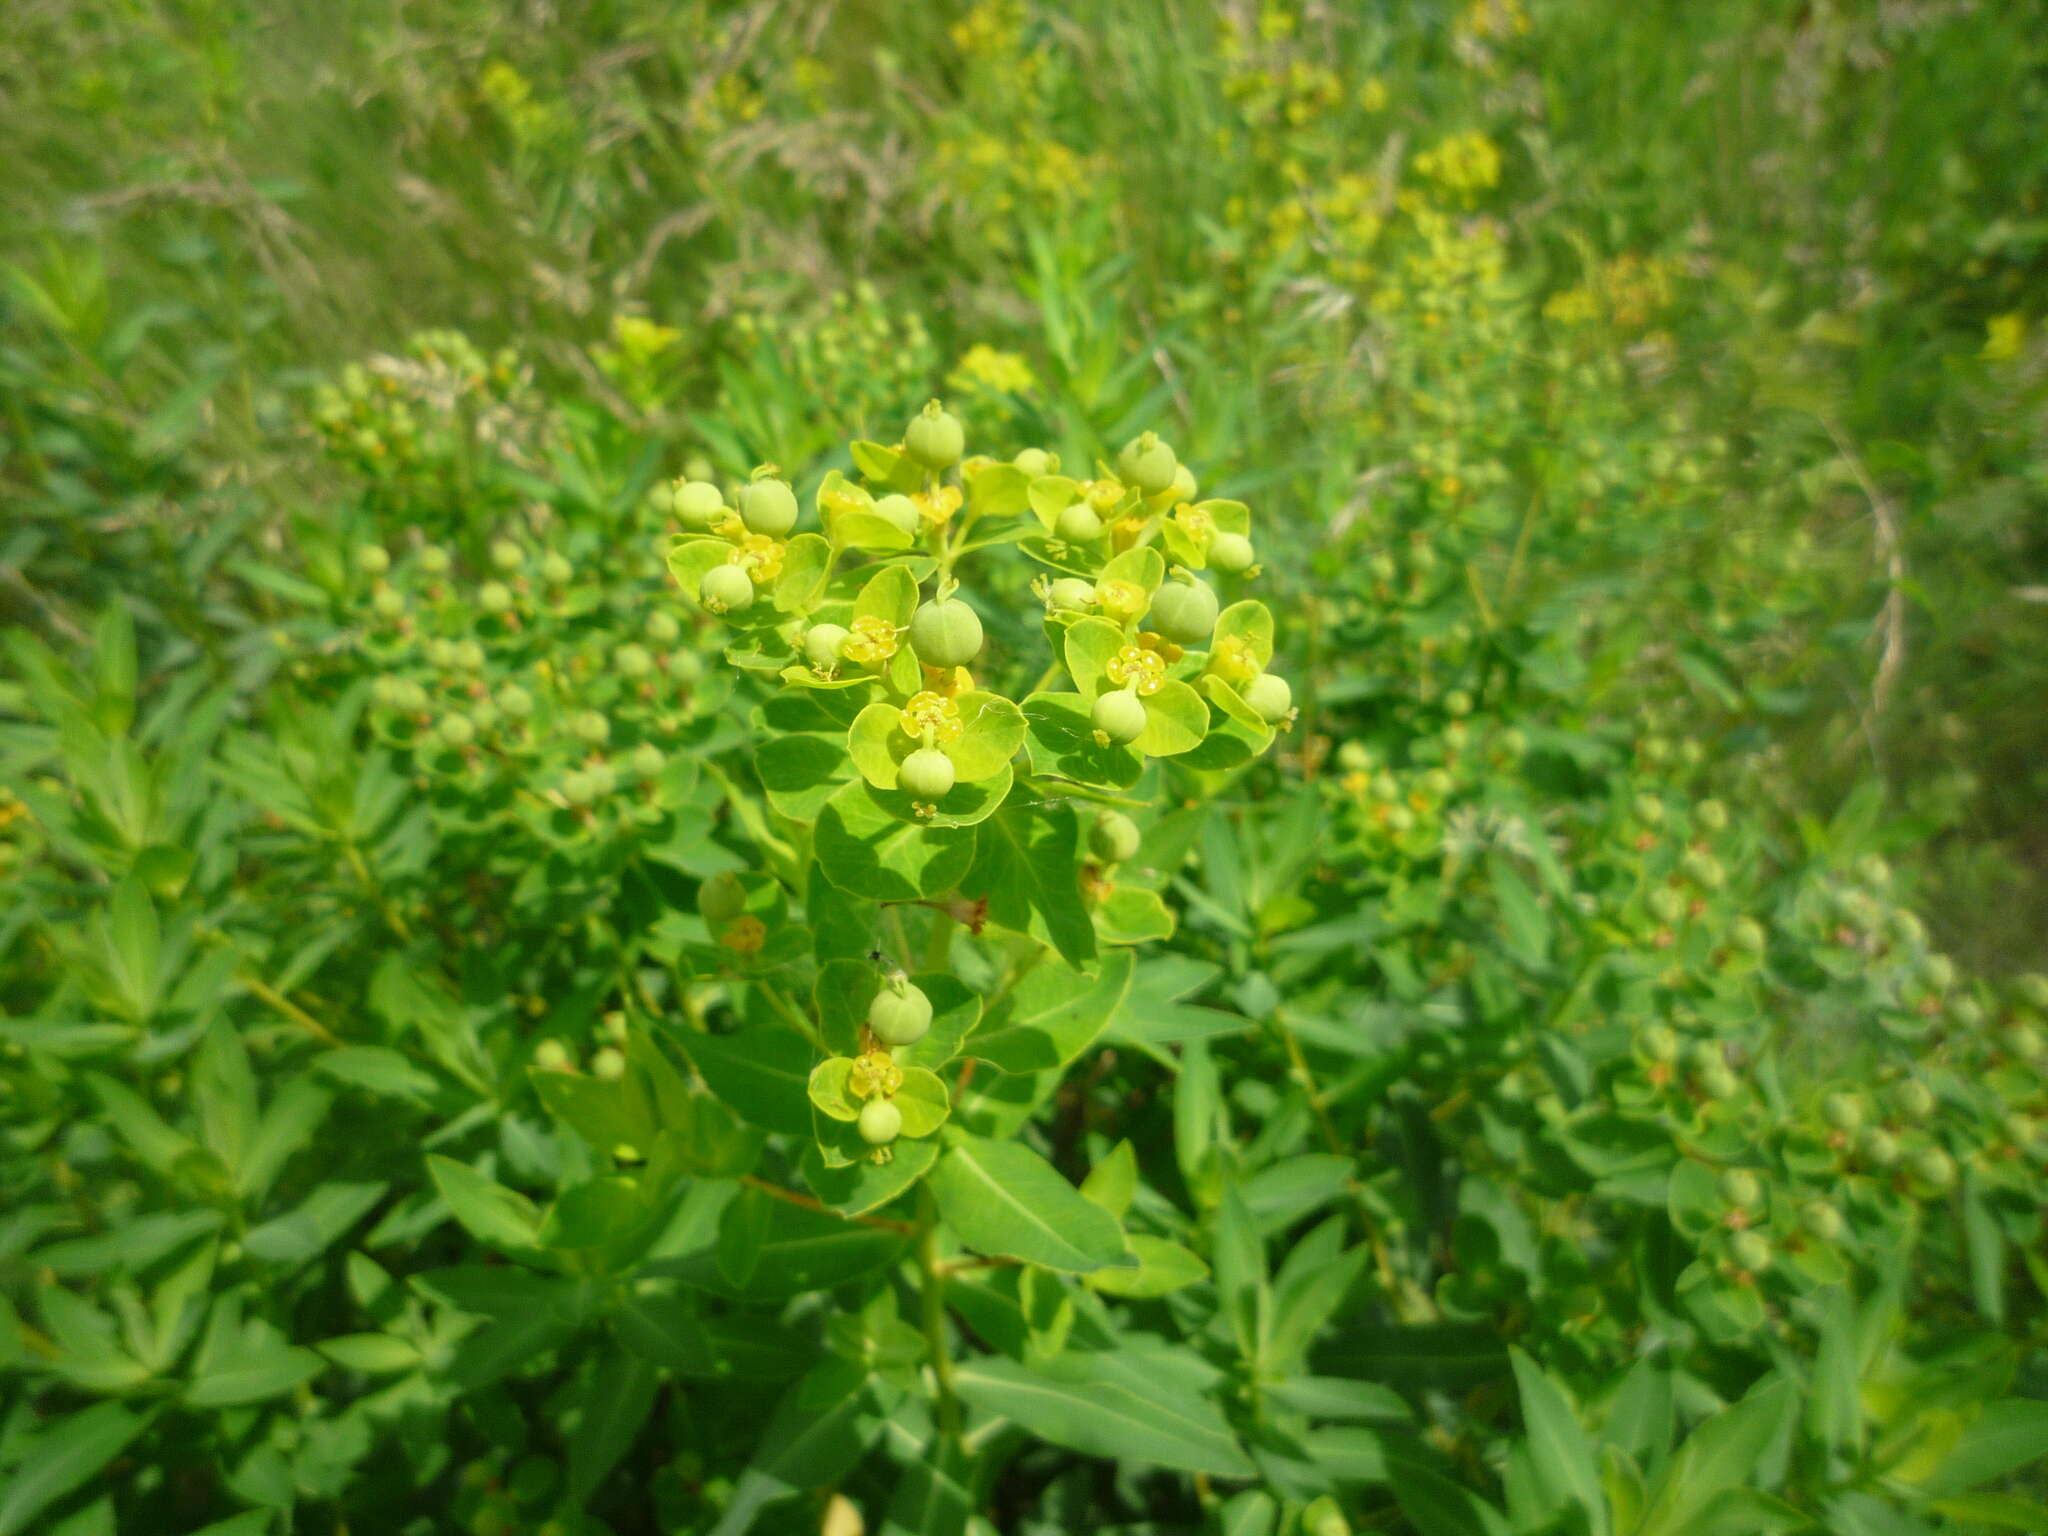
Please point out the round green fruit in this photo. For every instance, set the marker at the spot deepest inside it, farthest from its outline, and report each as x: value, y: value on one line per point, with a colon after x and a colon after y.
x: 1120, y: 716
x: 434, y: 560
x: 1934, y: 1168
x: 609, y: 1063
x: 726, y: 589
x: 698, y: 503
x: 900, y: 512
x: 1269, y: 697
x: 1740, y: 1188
x: 1231, y: 553
x: 662, y: 627
x: 494, y: 597
x: 1747, y: 935
x: 1843, y: 1111
x: 1660, y: 1043
x: 1035, y: 462
x: 722, y: 898
x: 1078, y: 524
x: 900, y: 1013
x: 506, y: 555
x: 1457, y: 703
x: 768, y: 506
x: 1711, y: 814
x: 1822, y: 1220
x: 1913, y: 1099
x: 373, y: 560
x: 1148, y: 463
x: 1750, y: 1252
x: 1183, y: 487
x: 946, y: 633
x: 1879, y: 1148
x: 555, y: 570
x: 648, y: 760
x: 590, y: 727
x: 822, y: 643
x: 1113, y: 838
x: 880, y: 1123
x: 935, y: 437
x: 926, y: 774
x: 632, y: 660
x: 1071, y: 592
x: 456, y: 730
x: 387, y: 602
x: 551, y: 1056
x: 1183, y: 611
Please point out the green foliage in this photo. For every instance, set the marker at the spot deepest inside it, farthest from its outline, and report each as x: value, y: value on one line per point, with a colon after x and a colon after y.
x: 1359, y: 939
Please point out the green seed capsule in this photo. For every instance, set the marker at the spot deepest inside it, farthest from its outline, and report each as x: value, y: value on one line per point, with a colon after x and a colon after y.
x: 769, y: 507
x: 1457, y: 703
x: 2024, y: 1041
x: 632, y: 660
x: 662, y: 627
x: 1231, y: 553
x: 900, y: 1013
x: 579, y: 787
x: 726, y: 589
x: 935, y: 437
x: 721, y: 898
x: 1113, y: 838
x: 555, y: 570
x: 387, y: 602
x: 1934, y: 1168
x: 515, y: 701
x: 1148, y: 463
x: 698, y: 503
x: 1183, y: 487
x: 434, y: 560
x: 1822, y: 1220
x: 1843, y: 1111
x: 506, y: 555
x: 609, y: 1063
x: 552, y: 1056
x: 1269, y: 697
x: 1914, y: 1100
x: 1035, y: 462
x: 946, y: 634
x: 1659, y: 1043
x: 1879, y: 1148
x: 927, y: 774
x: 900, y: 512
x: 880, y: 1123
x: 1183, y: 611
x: 494, y: 597
x: 1120, y: 716
x: 1720, y: 1083
x: 1750, y: 1252
x: 1078, y: 524
x: 648, y: 760
x: 1740, y: 1188
x: 373, y: 560
x: 1071, y: 592
x: 1747, y: 935
x: 822, y: 643
x: 1711, y: 814
x: 456, y: 730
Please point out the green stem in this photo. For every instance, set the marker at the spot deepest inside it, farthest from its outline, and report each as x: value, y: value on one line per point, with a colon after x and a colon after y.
x: 934, y: 1297
x: 938, y: 948
x: 788, y: 1010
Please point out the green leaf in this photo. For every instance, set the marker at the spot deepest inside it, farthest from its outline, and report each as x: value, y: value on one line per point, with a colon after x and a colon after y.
x: 991, y: 731
x: 1127, y: 1406
x: 1720, y: 1454
x: 933, y: 1496
x: 868, y: 850
x: 1163, y: 1267
x: 61, y: 1458
x: 373, y: 1354
x: 1003, y: 1199
x: 1113, y: 1181
x: 493, y: 1214
x: 1052, y: 1015
x: 2000, y: 1509
x: 224, y: 1093
x: 1025, y: 867
x: 2009, y: 1434
x: 1060, y: 739
x: 806, y: 561
x: 316, y: 1223
x: 819, y: 1433
x: 604, y: 1111
x: 617, y: 1396
x: 863, y: 1186
x: 379, y: 1069
x: 270, y: 1374
x: 761, y: 1073
x: 1436, y: 1506
x: 1176, y: 720
x: 1559, y: 1449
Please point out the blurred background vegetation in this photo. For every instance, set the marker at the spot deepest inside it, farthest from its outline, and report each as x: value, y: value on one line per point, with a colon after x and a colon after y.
x: 1740, y: 305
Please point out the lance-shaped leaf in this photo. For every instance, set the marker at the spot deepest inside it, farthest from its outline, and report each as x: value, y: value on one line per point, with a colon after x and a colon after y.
x: 1001, y: 1198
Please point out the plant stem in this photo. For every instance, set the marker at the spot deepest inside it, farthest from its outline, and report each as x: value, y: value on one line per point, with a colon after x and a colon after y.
x: 291, y: 1010
x: 788, y: 1010
x: 934, y: 1296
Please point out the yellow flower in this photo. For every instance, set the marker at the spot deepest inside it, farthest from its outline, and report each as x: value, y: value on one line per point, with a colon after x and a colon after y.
x: 1372, y: 96
x: 1136, y: 668
x: 1195, y: 523
x: 1121, y: 600
x: 1233, y: 658
x: 642, y: 337
x: 2003, y: 337
x: 874, y: 1072
x: 936, y: 507
x: 872, y: 639
x: 745, y: 936
x: 762, y: 555
x: 1102, y: 495
x: 932, y: 712
x: 985, y: 366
